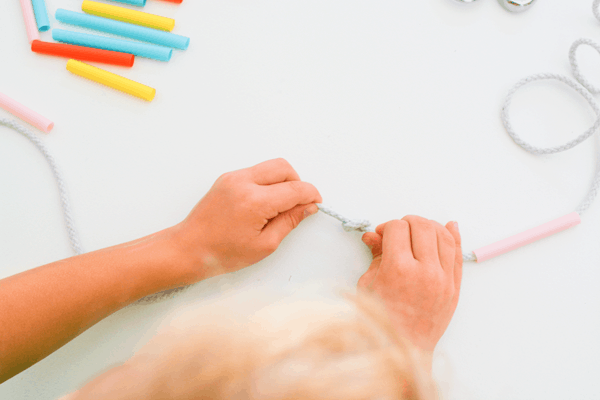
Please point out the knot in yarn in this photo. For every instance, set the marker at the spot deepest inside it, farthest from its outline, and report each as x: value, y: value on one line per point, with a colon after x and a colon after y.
x: 361, y: 225
x: 349, y: 225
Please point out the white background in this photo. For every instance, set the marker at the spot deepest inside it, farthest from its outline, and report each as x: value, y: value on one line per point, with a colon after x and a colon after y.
x: 388, y: 107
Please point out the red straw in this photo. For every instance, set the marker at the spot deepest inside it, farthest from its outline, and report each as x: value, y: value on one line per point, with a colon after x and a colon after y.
x: 174, y: 1
x: 83, y: 53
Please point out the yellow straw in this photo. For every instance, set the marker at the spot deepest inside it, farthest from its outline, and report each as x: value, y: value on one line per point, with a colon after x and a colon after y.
x: 112, y: 80
x: 127, y: 15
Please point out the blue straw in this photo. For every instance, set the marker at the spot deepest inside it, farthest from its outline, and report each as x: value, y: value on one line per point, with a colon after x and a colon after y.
x: 123, y: 29
x: 124, y: 46
x: 139, y: 3
x: 41, y: 15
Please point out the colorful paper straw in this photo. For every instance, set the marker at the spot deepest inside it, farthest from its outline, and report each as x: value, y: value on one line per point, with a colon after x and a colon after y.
x: 139, y: 3
x: 124, y: 46
x: 174, y: 1
x: 30, y: 26
x: 27, y: 115
x: 529, y: 236
x: 127, y: 15
x: 123, y: 29
x: 41, y: 15
x: 83, y: 53
x: 112, y: 80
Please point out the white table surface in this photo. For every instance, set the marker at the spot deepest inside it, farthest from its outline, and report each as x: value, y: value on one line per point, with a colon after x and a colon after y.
x: 388, y: 107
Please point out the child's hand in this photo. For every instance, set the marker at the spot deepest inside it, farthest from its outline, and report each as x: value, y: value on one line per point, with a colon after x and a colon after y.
x: 416, y: 270
x: 244, y: 217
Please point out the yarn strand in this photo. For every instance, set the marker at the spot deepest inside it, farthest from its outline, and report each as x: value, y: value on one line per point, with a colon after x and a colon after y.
x: 349, y: 225
x: 64, y: 198
x: 583, y: 89
x: 593, y: 192
x: 362, y: 225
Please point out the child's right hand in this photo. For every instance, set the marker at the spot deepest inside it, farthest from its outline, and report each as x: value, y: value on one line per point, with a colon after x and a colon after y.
x: 416, y: 271
x: 242, y: 219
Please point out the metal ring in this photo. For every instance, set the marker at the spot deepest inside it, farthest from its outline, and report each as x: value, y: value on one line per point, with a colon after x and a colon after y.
x: 517, y: 5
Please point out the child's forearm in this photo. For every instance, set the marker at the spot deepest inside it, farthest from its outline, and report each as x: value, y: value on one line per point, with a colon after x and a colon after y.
x: 44, y: 308
x: 240, y: 221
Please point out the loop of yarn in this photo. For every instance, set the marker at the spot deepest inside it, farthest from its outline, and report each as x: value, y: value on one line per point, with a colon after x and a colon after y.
x: 557, y: 149
x: 358, y: 225
x: 585, y: 89
x: 585, y: 204
x: 64, y: 198
x: 575, y: 64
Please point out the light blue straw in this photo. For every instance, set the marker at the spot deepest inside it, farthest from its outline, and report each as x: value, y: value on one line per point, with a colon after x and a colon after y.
x: 123, y: 29
x: 124, y: 46
x: 41, y: 15
x: 139, y: 3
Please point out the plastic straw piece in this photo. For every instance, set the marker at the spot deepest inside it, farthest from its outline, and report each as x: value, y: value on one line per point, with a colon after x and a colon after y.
x: 127, y: 15
x: 124, y: 46
x: 27, y: 115
x: 83, y: 53
x: 112, y: 80
x: 139, y: 3
x: 30, y: 26
x: 41, y: 15
x: 123, y: 29
x: 530, y: 236
x: 174, y: 1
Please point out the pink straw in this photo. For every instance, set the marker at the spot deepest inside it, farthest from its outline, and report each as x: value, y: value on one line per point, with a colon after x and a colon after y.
x: 29, y: 17
x: 530, y: 236
x: 26, y: 114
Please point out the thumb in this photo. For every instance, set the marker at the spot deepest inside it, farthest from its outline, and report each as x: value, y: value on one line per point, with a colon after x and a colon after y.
x: 374, y: 241
x: 458, y: 263
x: 280, y: 226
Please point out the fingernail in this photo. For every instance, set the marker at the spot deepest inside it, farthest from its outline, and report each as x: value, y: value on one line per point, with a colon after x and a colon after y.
x: 310, y: 210
x: 456, y: 226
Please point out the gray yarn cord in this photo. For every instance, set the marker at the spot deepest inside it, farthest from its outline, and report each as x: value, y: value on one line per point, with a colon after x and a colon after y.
x: 359, y: 225
x: 587, y: 201
x: 64, y: 198
x: 595, y: 9
x: 66, y: 206
x: 362, y: 225
x: 585, y: 89
x: 365, y: 226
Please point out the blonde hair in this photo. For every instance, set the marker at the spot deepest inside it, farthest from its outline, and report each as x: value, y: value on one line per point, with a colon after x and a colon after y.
x: 309, y: 349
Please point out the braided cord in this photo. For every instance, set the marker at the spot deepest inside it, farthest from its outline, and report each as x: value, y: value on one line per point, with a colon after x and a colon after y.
x: 365, y: 226
x: 585, y: 89
x: 64, y: 198
x: 362, y: 225
x: 592, y: 193
x: 575, y: 64
x: 349, y: 225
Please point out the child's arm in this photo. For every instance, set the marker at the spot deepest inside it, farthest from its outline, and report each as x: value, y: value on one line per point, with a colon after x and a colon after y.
x: 417, y: 271
x: 241, y: 220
